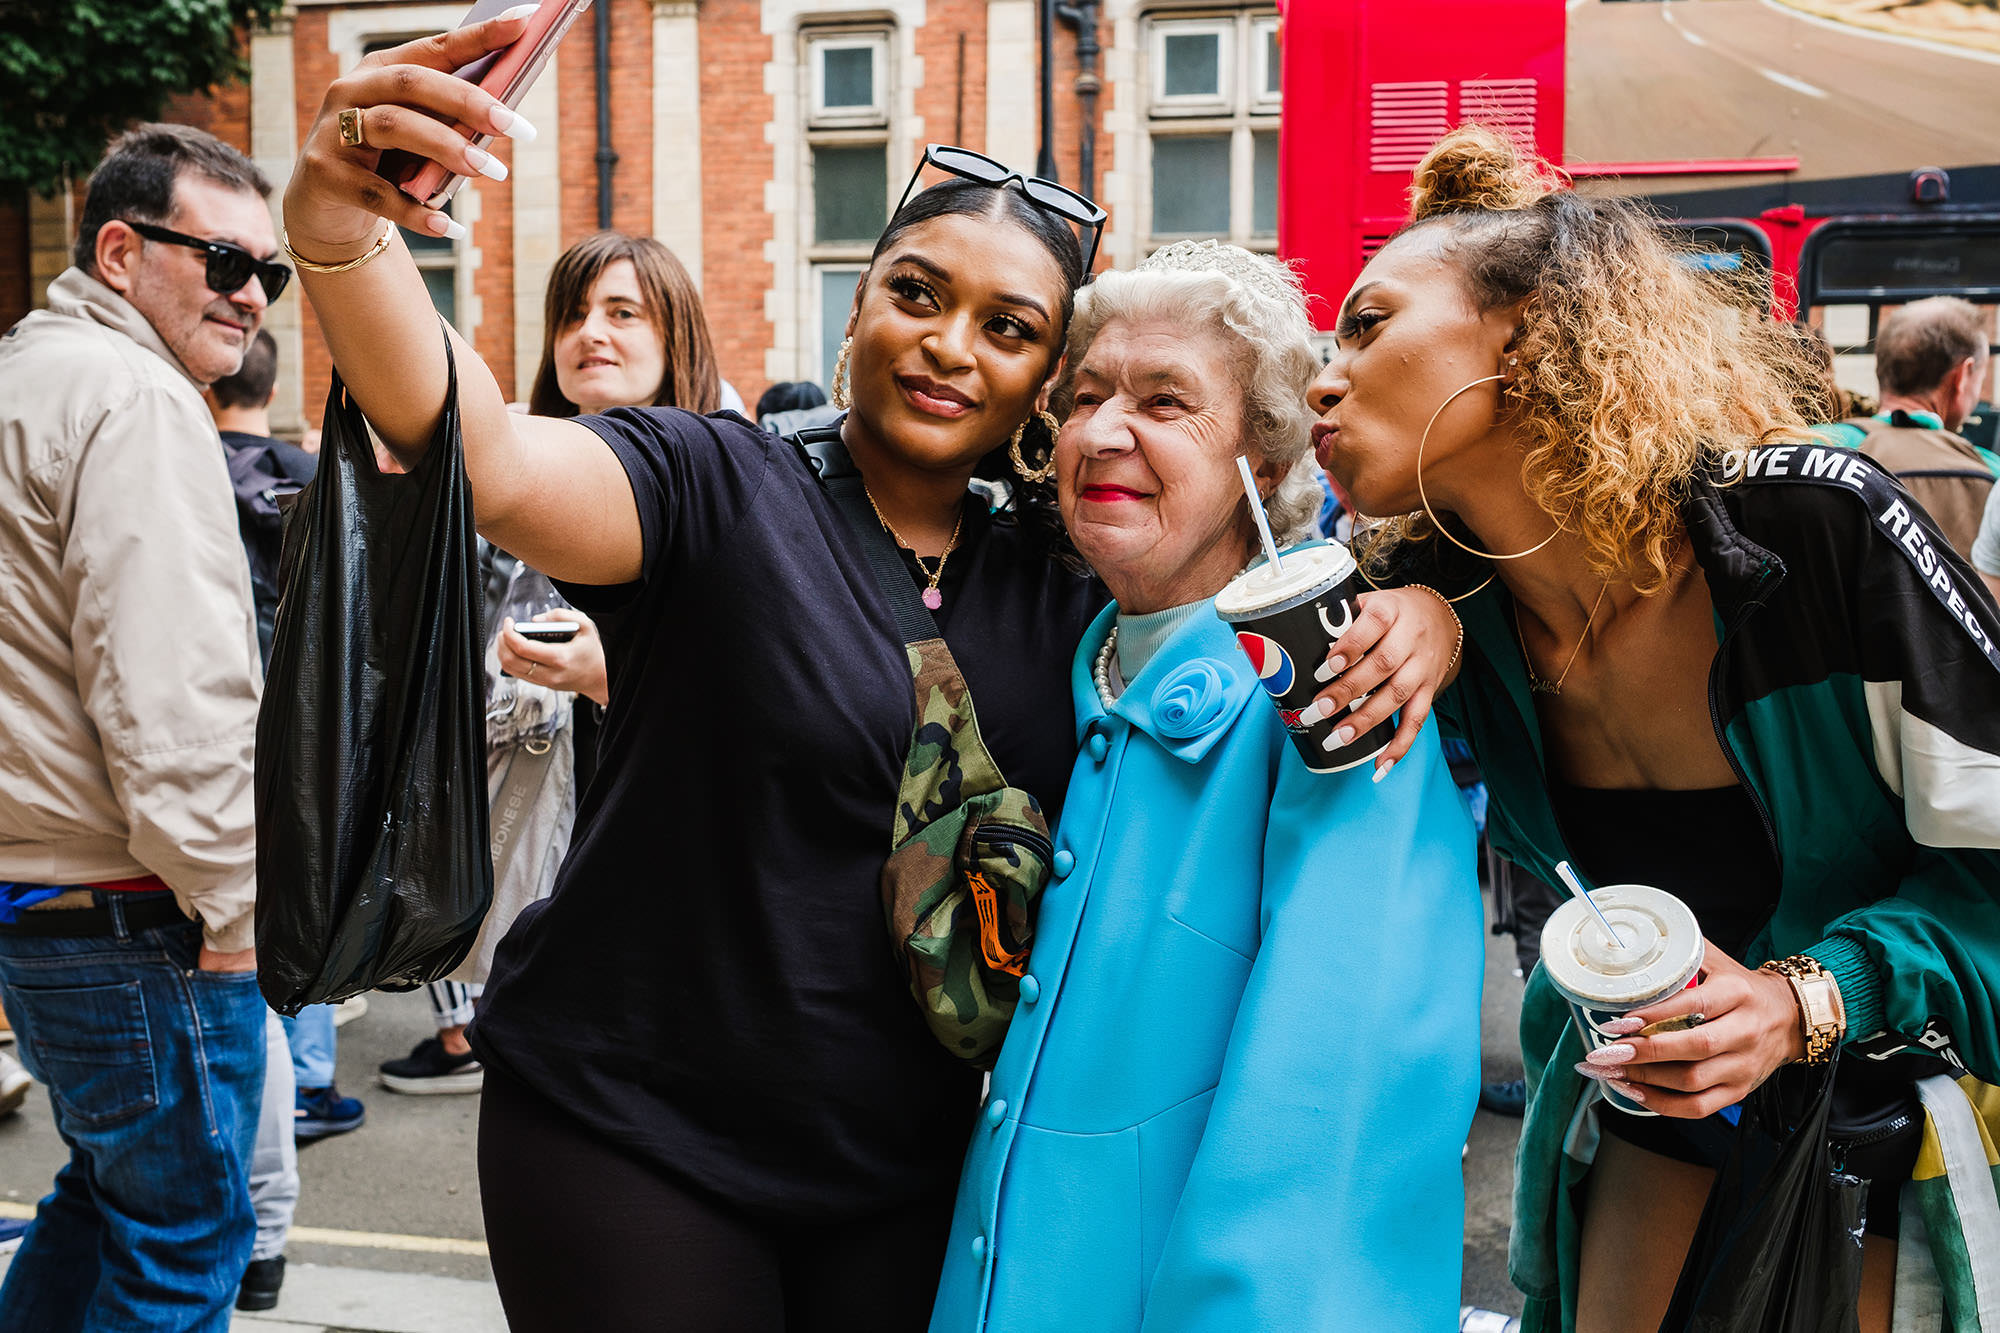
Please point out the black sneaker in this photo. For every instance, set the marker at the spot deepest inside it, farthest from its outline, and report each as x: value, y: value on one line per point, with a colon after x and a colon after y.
x: 1509, y: 1098
x: 261, y: 1281
x: 430, y: 1070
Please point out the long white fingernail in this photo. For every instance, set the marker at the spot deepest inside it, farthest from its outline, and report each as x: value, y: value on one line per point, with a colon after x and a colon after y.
x: 1383, y: 771
x: 1330, y: 668
x: 1316, y: 711
x: 1615, y: 1054
x: 447, y: 226
x: 517, y: 12
x: 1344, y: 736
x: 485, y: 163
x: 512, y: 124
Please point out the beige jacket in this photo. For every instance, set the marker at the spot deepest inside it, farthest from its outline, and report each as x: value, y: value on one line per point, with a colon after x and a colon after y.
x: 129, y: 673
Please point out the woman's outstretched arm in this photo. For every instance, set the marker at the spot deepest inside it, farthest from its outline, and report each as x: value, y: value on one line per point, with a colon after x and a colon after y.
x: 546, y: 490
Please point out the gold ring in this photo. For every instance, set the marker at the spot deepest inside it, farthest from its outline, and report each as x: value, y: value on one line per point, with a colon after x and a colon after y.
x: 350, y: 128
x: 531, y: 671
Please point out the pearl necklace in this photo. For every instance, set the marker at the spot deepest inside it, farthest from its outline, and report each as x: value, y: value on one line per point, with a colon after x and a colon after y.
x: 1101, y: 673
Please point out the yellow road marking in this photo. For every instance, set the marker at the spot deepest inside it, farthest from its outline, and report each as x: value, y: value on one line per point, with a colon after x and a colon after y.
x: 360, y: 1240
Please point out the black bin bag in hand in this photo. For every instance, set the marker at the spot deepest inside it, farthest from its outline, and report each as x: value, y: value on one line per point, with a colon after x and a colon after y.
x: 1778, y: 1248
x: 372, y: 864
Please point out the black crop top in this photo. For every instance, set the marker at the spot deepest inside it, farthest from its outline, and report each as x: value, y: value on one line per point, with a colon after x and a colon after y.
x: 1706, y: 847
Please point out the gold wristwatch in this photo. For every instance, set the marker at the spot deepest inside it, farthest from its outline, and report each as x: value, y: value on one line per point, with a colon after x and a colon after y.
x: 1822, y: 1016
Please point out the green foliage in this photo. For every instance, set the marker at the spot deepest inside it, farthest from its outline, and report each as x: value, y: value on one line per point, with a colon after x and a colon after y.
x: 75, y: 72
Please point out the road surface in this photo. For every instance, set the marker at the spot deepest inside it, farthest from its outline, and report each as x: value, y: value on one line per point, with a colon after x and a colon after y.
x: 1749, y: 78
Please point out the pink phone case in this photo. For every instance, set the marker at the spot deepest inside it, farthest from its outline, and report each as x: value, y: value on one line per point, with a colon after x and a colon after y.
x: 507, y: 74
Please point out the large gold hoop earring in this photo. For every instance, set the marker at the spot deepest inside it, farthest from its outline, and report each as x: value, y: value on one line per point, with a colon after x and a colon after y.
x: 1426, y: 500
x: 838, y: 389
x: 1047, y: 470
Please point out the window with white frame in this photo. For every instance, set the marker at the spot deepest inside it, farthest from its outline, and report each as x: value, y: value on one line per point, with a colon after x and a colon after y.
x: 847, y: 142
x: 1212, y: 126
x: 437, y: 257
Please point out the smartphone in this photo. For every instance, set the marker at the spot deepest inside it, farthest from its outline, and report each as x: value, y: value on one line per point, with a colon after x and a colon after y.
x: 507, y: 74
x: 547, y: 631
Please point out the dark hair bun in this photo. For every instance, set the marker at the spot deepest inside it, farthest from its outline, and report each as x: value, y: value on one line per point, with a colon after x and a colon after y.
x: 1477, y: 170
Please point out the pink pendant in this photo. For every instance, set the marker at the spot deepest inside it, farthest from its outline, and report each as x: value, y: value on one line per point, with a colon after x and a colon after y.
x: 933, y: 598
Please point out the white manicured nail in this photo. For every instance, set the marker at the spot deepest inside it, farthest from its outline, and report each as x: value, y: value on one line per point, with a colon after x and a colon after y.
x: 443, y: 224
x: 1344, y: 736
x: 1615, y: 1054
x: 512, y: 124
x: 1383, y: 771
x: 485, y: 163
x: 1316, y: 711
x: 517, y: 12
x: 1330, y: 668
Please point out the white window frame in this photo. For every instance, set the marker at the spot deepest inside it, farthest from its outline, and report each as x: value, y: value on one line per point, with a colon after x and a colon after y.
x: 350, y: 33
x: 823, y: 369
x: 1262, y: 100
x: 1250, y: 112
x: 1226, y: 75
x: 876, y: 115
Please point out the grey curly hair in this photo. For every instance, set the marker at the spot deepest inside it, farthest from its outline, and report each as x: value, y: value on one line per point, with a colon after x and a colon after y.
x: 1261, y: 303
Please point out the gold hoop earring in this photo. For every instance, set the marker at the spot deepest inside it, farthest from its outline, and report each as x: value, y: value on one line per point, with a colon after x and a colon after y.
x: 1048, y: 468
x: 1426, y: 500
x: 838, y: 389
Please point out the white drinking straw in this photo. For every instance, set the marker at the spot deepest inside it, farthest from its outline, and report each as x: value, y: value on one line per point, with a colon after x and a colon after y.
x: 1257, y: 512
x: 1576, y: 887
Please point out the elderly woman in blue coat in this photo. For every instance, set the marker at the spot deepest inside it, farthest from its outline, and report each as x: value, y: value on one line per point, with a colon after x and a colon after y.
x: 1246, y: 1056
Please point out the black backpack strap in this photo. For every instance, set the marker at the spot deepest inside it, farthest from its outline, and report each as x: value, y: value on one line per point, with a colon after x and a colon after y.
x: 820, y: 446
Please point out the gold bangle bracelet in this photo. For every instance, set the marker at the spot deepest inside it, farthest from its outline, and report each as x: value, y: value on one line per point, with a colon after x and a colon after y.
x: 1456, y: 623
x: 381, y: 244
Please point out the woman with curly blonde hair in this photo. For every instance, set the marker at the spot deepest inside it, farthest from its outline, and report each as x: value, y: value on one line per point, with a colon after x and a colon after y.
x: 1703, y: 651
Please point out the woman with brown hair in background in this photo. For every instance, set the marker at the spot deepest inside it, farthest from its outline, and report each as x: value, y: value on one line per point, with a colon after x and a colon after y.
x: 622, y: 326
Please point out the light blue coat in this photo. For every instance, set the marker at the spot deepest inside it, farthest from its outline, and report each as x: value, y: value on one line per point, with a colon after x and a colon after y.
x: 1247, y: 1052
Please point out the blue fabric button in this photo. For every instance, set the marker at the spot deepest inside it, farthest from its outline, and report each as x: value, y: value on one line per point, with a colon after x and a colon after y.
x: 1031, y: 990
x: 1099, y: 746
x: 996, y: 1111
x: 978, y: 1243
x: 1063, y: 862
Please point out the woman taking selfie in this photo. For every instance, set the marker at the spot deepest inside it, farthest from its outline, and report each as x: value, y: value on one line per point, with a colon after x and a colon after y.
x: 709, y: 1096
x: 1703, y: 654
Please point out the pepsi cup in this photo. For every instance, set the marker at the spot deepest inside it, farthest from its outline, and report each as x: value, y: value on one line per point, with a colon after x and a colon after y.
x: 1657, y: 954
x: 1286, y: 618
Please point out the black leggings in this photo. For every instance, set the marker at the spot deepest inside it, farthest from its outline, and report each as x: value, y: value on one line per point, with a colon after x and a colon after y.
x: 583, y: 1236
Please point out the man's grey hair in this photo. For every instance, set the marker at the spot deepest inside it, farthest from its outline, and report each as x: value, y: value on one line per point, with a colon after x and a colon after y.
x: 1257, y: 302
x: 135, y: 182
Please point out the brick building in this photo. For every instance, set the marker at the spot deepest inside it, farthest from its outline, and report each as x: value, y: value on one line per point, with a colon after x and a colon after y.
x: 763, y: 141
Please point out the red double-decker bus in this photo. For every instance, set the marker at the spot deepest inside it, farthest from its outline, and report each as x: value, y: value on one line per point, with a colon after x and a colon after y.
x: 1862, y: 167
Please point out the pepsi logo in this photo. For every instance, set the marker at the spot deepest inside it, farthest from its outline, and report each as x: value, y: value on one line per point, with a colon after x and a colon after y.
x: 1271, y: 662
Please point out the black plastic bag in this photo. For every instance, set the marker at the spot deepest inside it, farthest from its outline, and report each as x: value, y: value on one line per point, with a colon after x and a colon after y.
x: 372, y: 864
x: 1778, y: 1249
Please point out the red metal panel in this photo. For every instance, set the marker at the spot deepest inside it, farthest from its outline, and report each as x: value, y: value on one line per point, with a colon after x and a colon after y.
x: 1369, y: 87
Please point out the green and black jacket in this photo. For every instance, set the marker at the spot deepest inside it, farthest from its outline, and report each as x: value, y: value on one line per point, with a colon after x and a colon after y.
x: 1856, y: 692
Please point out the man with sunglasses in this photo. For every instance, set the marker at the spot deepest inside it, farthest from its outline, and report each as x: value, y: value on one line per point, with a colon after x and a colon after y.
x: 129, y: 682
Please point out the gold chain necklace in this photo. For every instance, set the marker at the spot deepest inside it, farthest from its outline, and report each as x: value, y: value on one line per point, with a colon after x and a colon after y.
x: 932, y: 597
x: 1536, y: 685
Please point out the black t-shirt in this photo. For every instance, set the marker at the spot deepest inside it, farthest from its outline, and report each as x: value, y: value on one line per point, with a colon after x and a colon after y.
x: 711, y: 985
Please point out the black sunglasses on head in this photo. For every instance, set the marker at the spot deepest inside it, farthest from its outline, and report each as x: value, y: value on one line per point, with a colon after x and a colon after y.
x: 230, y: 267
x: 1046, y: 195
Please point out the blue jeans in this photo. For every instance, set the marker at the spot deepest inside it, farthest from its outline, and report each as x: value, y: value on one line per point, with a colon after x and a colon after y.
x: 310, y: 1033
x: 156, y: 1072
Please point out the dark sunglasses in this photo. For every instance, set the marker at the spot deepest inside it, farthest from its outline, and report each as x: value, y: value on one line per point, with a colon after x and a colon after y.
x: 230, y: 267
x: 1046, y: 195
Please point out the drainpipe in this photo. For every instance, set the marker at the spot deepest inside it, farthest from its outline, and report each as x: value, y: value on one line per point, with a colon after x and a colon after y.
x: 1045, y: 161
x: 1083, y: 17
x: 606, y: 158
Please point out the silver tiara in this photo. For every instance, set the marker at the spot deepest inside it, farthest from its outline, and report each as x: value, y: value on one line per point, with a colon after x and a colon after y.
x: 1268, y: 278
